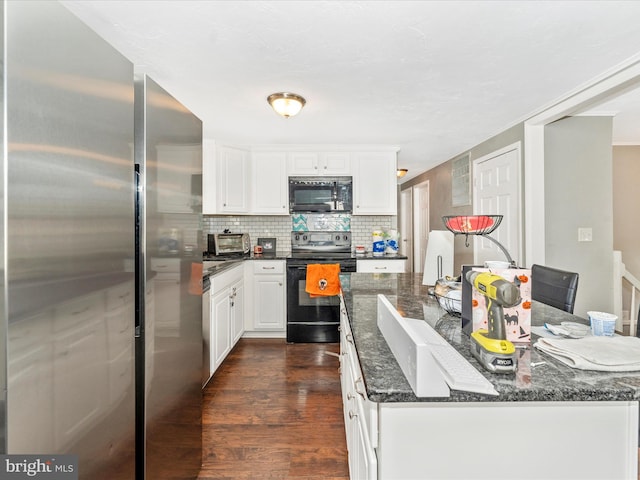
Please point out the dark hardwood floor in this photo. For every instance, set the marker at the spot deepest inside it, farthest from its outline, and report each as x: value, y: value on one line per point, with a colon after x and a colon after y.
x: 274, y: 411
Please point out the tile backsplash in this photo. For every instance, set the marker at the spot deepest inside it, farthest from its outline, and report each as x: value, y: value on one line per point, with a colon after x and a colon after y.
x: 280, y: 227
x: 310, y: 222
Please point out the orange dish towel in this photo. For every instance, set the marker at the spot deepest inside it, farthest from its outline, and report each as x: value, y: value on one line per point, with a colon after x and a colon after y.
x: 323, y: 279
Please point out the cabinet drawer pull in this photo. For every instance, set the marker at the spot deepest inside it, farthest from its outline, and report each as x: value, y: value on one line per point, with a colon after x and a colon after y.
x: 358, y: 391
x: 268, y: 268
x: 380, y: 268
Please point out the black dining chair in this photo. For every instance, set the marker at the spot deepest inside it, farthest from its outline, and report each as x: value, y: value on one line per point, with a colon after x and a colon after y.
x: 554, y: 287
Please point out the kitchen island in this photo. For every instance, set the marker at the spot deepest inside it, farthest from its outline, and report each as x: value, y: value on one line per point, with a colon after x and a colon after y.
x: 548, y: 421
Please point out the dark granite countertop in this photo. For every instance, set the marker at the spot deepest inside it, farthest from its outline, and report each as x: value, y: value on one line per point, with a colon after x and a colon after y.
x: 217, y: 265
x: 224, y: 263
x: 370, y: 256
x: 385, y: 382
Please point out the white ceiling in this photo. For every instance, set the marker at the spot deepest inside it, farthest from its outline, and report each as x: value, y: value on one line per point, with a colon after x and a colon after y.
x: 434, y: 78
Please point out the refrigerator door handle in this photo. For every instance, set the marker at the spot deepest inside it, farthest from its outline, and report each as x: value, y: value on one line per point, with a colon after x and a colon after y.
x: 139, y: 287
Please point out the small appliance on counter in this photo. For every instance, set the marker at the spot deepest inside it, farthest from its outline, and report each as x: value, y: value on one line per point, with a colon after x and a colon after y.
x: 228, y: 244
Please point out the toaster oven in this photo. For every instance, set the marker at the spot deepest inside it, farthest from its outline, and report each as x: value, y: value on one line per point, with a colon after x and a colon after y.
x: 221, y: 244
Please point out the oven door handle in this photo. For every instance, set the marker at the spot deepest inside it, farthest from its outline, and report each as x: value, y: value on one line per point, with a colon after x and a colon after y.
x: 297, y: 267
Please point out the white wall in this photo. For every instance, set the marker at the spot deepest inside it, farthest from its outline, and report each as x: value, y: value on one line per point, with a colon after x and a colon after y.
x: 578, y: 194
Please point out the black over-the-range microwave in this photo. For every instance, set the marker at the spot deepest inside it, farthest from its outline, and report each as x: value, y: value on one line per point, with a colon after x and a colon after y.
x: 320, y: 194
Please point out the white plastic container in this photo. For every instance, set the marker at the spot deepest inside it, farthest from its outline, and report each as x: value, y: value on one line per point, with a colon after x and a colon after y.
x: 602, y: 323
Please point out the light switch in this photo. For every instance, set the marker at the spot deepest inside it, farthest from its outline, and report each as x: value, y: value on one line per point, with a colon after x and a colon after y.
x: 585, y: 234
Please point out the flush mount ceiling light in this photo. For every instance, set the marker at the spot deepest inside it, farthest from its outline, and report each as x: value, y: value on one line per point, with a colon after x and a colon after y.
x: 286, y: 104
x: 401, y: 172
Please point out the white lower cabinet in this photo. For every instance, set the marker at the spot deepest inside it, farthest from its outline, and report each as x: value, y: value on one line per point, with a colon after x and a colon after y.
x: 237, y: 310
x: 360, y: 415
x: 381, y: 266
x: 266, y: 304
x: 220, y: 327
x: 227, y: 313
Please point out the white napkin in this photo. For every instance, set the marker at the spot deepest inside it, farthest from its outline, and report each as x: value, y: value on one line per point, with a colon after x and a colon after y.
x: 609, y: 354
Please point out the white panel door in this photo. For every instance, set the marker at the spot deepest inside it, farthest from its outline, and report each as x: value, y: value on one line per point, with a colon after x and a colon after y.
x: 420, y: 225
x: 496, y: 191
x: 406, y: 226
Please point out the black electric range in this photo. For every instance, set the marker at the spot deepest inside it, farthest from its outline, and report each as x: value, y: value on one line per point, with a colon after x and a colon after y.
x: 315, y: 319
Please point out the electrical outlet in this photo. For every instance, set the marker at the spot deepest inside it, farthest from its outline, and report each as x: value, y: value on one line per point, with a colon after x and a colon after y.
x: 585, y: 234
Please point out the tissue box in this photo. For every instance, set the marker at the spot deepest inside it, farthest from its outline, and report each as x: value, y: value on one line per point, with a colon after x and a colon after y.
x: 517, y: 319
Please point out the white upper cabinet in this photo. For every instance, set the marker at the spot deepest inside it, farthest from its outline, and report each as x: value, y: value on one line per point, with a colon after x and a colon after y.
x: 319, y: 163
x: 256, y: 182
x: 374, y: 183
x: 233, y: 178
x: 270, y: 191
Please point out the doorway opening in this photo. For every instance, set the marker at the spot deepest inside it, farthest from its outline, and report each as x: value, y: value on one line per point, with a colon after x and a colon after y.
x: 420, y: 220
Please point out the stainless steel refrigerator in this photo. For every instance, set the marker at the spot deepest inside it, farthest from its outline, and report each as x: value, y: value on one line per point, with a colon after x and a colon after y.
x: 168, y: 154
x: 100, y: 333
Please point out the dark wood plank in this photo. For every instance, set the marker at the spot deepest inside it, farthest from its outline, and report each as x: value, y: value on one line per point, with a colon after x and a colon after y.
x: 274, y: 411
